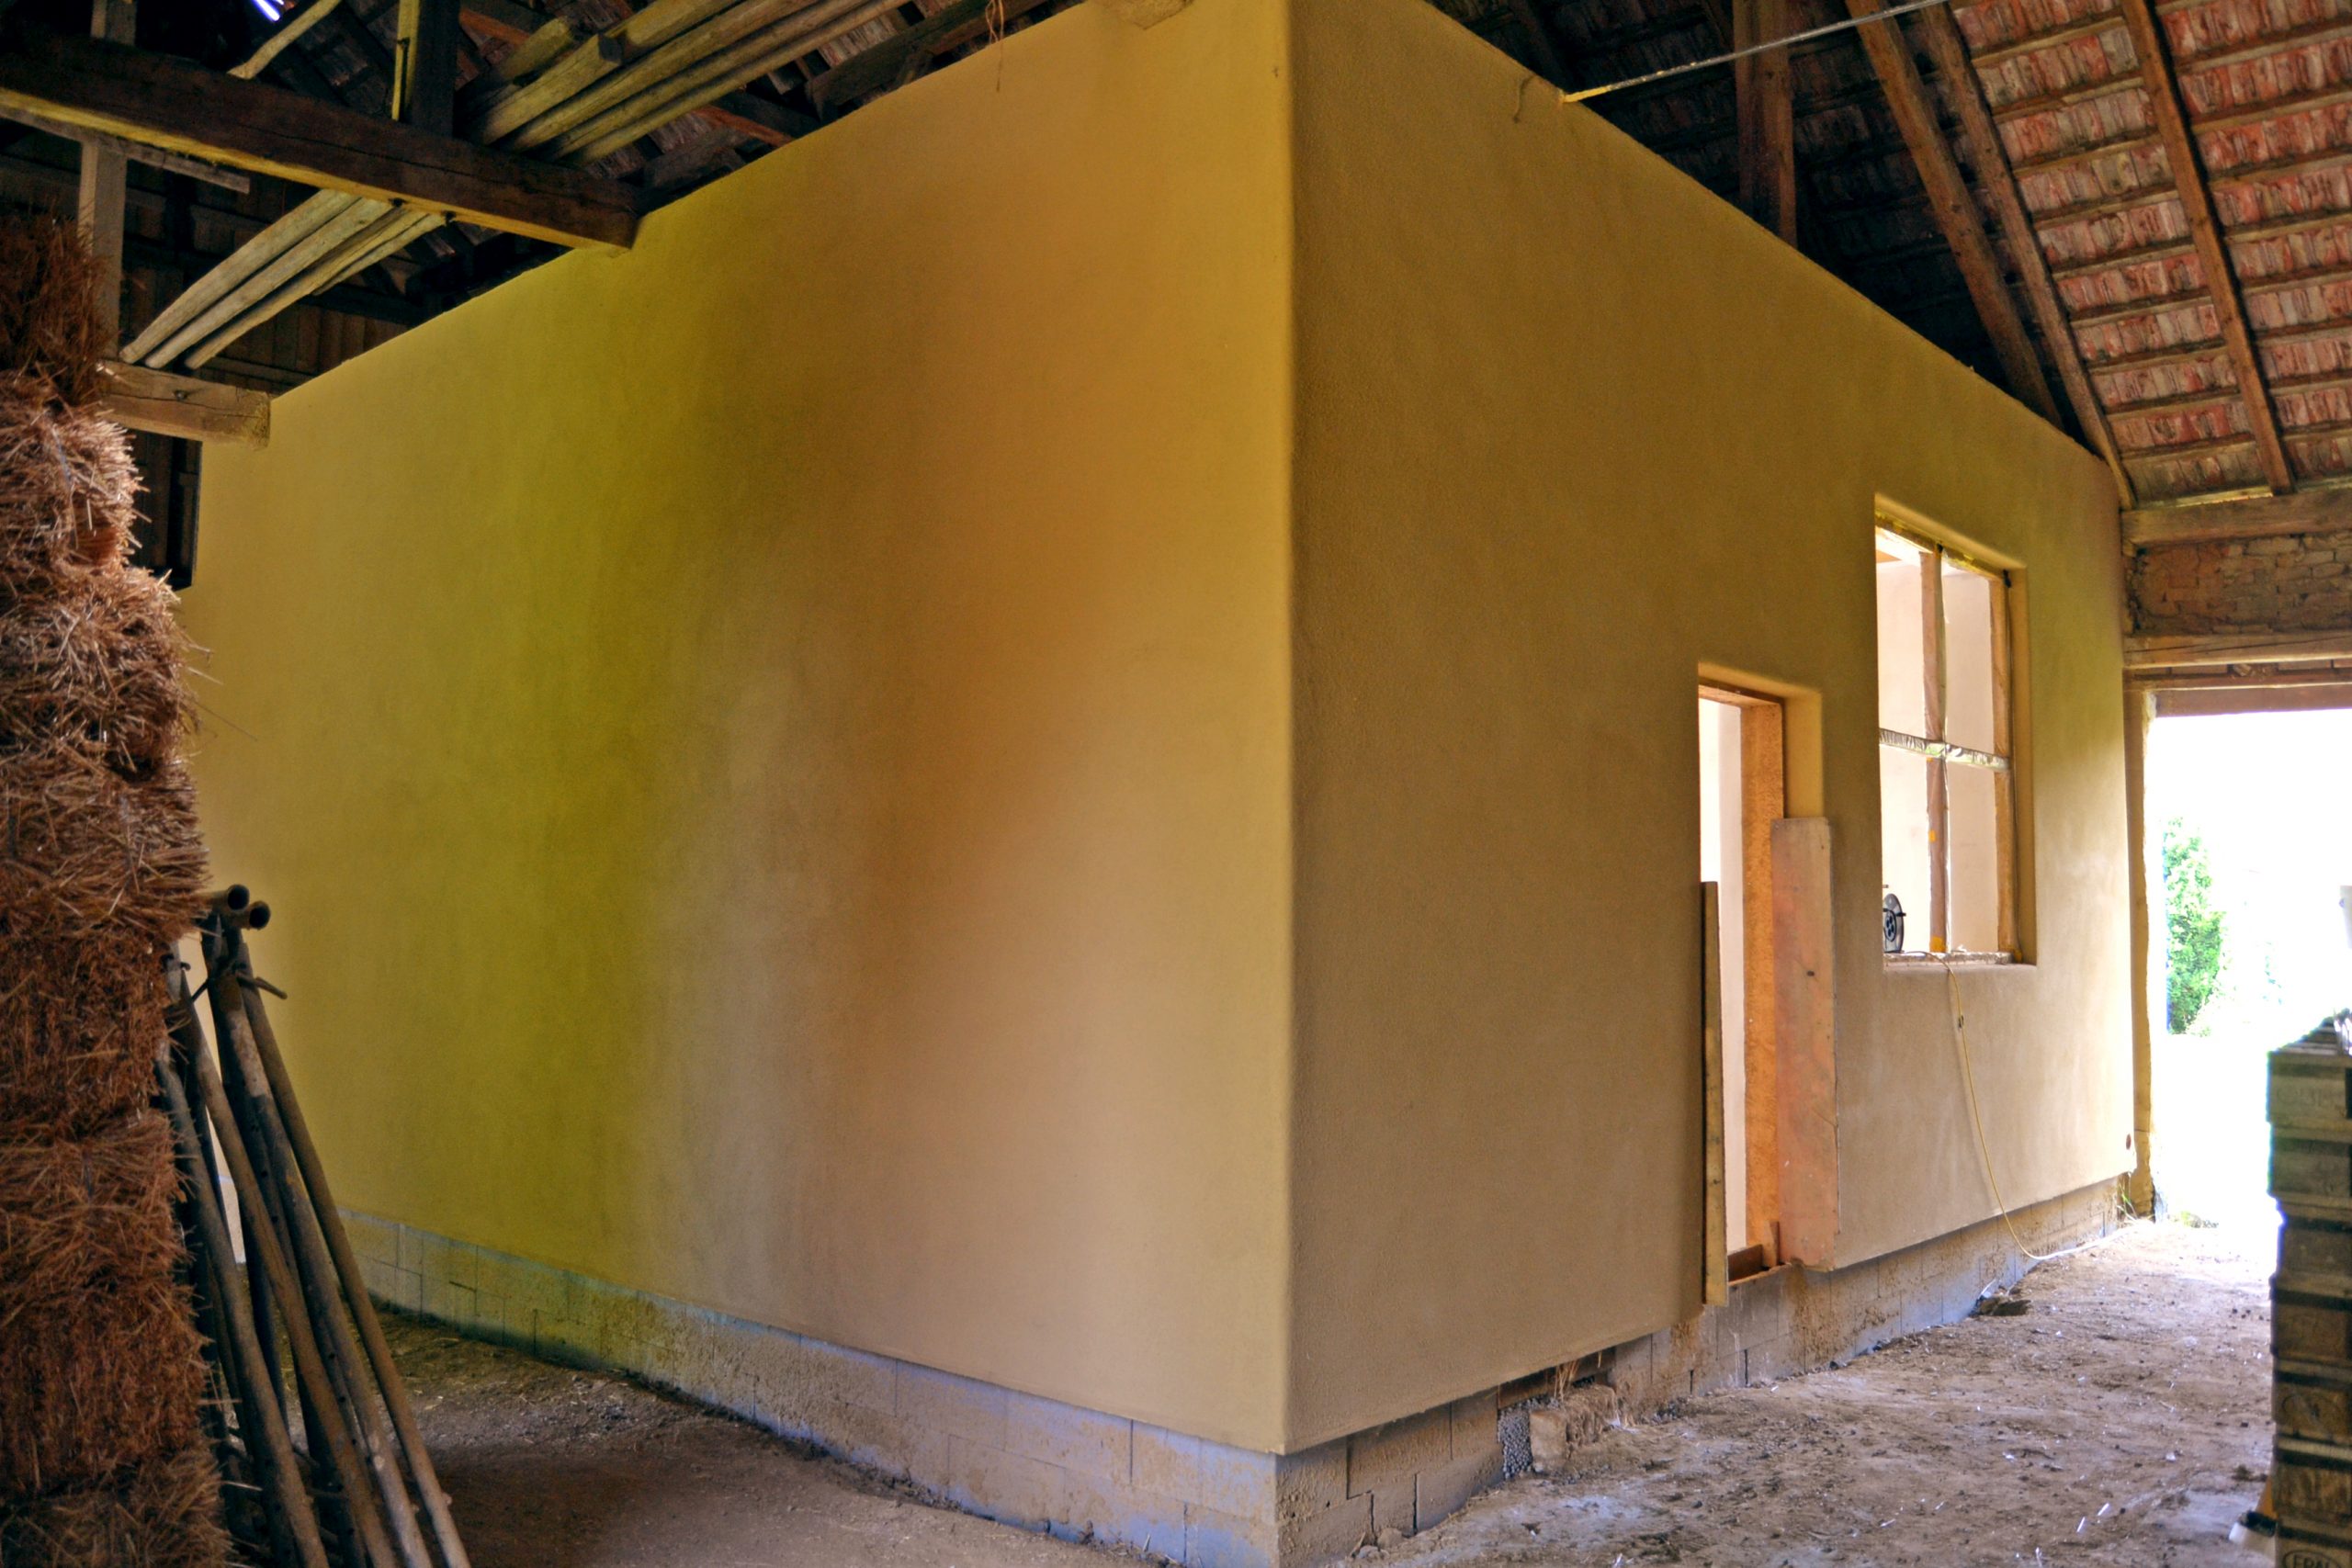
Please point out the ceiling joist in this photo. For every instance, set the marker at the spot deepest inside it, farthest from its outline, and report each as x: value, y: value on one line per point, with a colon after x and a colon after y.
x: 183, y: 108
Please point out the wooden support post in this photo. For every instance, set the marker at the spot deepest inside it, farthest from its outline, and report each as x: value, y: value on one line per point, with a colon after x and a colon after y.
x: 1804, y: 998
x: 1950, y: 200
x: 1714, y: 1273
x: 1763, y: 800
x: 424, y: 65
x: 1766, y: 109
x: 100, y: 208
x: 2212, y: 254
x: 2137, y: 707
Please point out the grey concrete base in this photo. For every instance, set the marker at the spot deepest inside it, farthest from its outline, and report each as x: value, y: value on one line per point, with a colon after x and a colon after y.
x: 1085, y: 1475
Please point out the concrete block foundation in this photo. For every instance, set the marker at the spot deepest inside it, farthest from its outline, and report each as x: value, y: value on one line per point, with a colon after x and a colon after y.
x: 1089, y: 1476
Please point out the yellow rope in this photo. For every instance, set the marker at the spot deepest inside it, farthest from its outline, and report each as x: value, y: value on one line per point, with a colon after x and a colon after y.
x: 1984, y: 1148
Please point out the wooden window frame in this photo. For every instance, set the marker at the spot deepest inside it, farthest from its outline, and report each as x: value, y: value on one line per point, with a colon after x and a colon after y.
x: 1942, y: 755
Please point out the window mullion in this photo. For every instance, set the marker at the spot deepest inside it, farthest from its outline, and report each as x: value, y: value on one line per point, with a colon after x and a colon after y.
x: 1931, y: 625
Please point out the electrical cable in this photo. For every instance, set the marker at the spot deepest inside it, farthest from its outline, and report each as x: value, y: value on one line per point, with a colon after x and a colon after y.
x: 1976, y: 1116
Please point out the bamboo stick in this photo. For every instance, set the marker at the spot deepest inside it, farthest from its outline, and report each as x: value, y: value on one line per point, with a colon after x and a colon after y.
x: 234, y: 268
x: 309, y: 1365
x: 507, y: 111
x: 346, y: 1262
x: 311, y: 266
x: 280, y: 1474
x: 545, y: 132
x: 315, y: 1275
x: 355, y: 217
x: 714, y: 77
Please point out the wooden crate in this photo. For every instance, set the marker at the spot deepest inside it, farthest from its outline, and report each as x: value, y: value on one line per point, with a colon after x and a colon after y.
x: 2309, y: 1546
x: 2310, y: 1243
x: 2311, y: 1319
x: 2311, y: 1085
x: 2313, y: 1402
x: 2310, y: 1484
x: 2311, y: 1164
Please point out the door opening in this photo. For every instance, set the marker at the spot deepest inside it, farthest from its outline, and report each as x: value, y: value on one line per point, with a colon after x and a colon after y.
x: 1742, y: 785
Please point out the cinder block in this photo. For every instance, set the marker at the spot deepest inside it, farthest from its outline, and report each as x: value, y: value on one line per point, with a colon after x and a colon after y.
x: 1312, y: 1481
x: 1097, y: 1508
x: 1437, y: 1493
x: 1225, y: 1479
x: 1392, y: 1507
x: 982, y: 1479
x: 1084, y: 1440
x: 957, y: 1406
x: 875, y: 1439
x: 1471, y: 1423
x: 798, y: 1370
x: 1389, y: 1456
x: 1215, y: 1539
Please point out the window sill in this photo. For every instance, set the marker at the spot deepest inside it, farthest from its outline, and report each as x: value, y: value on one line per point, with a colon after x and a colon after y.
x: 1935, y: 963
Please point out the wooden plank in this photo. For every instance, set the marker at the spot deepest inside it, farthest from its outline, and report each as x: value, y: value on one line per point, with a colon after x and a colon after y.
x: 164, y: 404
x: 2251, y: 517
x: 424, y: 65
x: 132, y: 151
x: 2233, y: 648
x: 103, y: 183
x: 1954, y: 208
x: 1765, y: 114
x: 355, y: 217
x: 1805, y: 997
x: 279, y: 42
x: 1763, y: 799
x: 171, y: 103
x: 1714, y: 1252
x: 236, y: 268
x: 2213, y: 255
x: 1997, y: 182
x: 2138, y: 873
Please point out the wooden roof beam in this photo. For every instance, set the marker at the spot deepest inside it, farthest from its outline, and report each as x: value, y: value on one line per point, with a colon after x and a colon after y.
x: 183, y: 108
x: 1767, y: 117
x: 2247, y: 517
x: 1955, y: 209
x: 2212, y: 254
x: 164, y: 404
x: 1997, y: 183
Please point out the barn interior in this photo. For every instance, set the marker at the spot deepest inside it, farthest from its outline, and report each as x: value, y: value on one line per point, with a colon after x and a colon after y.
x: 1253, y: 780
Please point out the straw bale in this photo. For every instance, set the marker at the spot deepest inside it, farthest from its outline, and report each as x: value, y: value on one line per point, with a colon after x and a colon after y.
x: 95, y: 666
x: 84, y: 851
x: 79, y: 1027
x: 162, y: 1514
x: 68, y: 492
x: 94, y: 1383
x: 77, y: 1214
x: 48, y: 330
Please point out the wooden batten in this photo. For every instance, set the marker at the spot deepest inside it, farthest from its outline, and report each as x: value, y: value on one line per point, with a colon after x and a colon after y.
x: 2251, y: 517
x: 164, y: 404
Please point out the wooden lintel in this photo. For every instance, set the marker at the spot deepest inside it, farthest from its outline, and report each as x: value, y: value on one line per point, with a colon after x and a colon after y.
x: 2251, y: 517
x: 166, y: 404
x: 2205, y: 229
x: 174, y: 104
x: 1997, y: 180
x: 2233, y: 648
x: 1144, y: 13
x: 1950, y: 200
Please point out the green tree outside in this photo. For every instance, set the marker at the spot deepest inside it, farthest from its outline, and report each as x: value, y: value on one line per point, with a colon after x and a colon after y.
x: 2193, y: 941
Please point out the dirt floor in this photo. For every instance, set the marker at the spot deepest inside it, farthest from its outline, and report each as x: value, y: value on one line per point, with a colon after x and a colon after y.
x: 2121, y: 1419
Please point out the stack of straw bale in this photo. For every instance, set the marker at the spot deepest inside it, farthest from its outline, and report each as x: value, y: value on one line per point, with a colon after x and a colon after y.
x: 103, y: 1457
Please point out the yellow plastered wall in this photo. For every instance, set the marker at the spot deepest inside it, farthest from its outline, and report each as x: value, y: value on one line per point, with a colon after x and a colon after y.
x: 1052, y: 734
x: 1569, y: 428
x: 770, y: 753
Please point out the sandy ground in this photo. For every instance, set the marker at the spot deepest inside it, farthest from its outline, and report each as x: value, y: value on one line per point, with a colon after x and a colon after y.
x: 2121, y: 1419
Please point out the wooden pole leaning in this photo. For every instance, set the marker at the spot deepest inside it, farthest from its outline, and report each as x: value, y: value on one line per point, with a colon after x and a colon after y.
x: 310, y: 1362
x: 355, y: 1290
x: 289, y: 1504
x: 314, y: 1299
